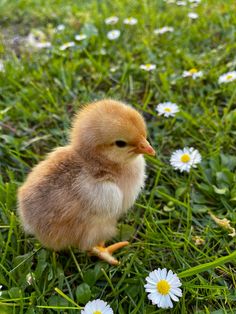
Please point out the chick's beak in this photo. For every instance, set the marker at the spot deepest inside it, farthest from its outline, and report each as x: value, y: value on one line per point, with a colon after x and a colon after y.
x: 144, y: 148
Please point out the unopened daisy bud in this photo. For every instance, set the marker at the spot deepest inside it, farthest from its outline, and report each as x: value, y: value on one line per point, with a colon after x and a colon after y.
x: 30, y: 278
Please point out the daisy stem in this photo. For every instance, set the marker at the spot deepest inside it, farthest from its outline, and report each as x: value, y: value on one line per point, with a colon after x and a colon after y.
x: 200, y: 268
x: 108, y: 280
x: 147, y: 85
x: 189, y: 209
x: 230, y: 103
x: 54, y: 307
x: 68, y: 299
x: 77, y: 264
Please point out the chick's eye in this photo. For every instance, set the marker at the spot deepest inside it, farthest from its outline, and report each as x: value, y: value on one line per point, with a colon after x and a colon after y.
x: 120, y: 143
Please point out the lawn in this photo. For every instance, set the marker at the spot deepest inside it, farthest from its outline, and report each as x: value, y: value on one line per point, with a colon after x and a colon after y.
x: 170, y: 224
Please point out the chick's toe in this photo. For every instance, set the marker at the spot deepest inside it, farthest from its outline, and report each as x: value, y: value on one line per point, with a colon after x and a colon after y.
x: 105, y: 253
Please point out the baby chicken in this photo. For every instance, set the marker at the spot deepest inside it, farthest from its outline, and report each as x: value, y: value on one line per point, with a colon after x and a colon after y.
x: 77, y: 194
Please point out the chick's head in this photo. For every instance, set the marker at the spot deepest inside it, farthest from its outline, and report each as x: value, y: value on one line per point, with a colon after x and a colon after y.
x: 110, y: 129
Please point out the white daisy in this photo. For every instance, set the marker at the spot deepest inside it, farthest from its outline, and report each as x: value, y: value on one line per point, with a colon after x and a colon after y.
x: 181, y: 3
x: 37, y: 39
x: 67, y: 45
x: 227, y: 77
x: 97, y: 307
x: 102, y: 51
x: 148, y: 67
x: 163, y: 286
x: 113, y: 35
x: 194, y: 1
x: 60, y: 27
x: 2, y: 67
x: 111, y: 20
x: 36, y: 34
x: 184, y: 159
x: 80, y: 37
x: 114, y: 69
x: 45, y: 44
x: 193, y: 15
x: 163, y: 30
x: 194, y: 73
x: 130, y: 21
x: 168, y: 109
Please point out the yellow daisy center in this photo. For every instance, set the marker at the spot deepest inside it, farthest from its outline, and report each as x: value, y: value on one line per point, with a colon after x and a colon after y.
x: 229, y: 76
x: 167, y: 110
x: 148, y: 65
x: 185, y: 158
x: 163, y: 287
x: 192, y: 71
x: 97, y: 312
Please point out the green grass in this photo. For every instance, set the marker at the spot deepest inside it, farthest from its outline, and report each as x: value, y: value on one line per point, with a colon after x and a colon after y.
x: 39, y: 92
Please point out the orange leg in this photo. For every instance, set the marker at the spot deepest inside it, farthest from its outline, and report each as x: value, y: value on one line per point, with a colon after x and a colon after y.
x: 105, y: 253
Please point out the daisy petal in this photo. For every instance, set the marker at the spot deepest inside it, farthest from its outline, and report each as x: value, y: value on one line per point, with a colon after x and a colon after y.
x: 177, y: 291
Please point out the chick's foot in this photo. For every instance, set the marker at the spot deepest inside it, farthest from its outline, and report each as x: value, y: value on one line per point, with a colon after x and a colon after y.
x: 105, y: 253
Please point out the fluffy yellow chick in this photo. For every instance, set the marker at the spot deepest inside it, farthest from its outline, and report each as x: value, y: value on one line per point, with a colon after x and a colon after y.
x: 76, y: 195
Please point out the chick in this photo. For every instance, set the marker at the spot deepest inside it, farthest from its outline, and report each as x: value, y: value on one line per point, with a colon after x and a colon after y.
x: 77, y: 194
